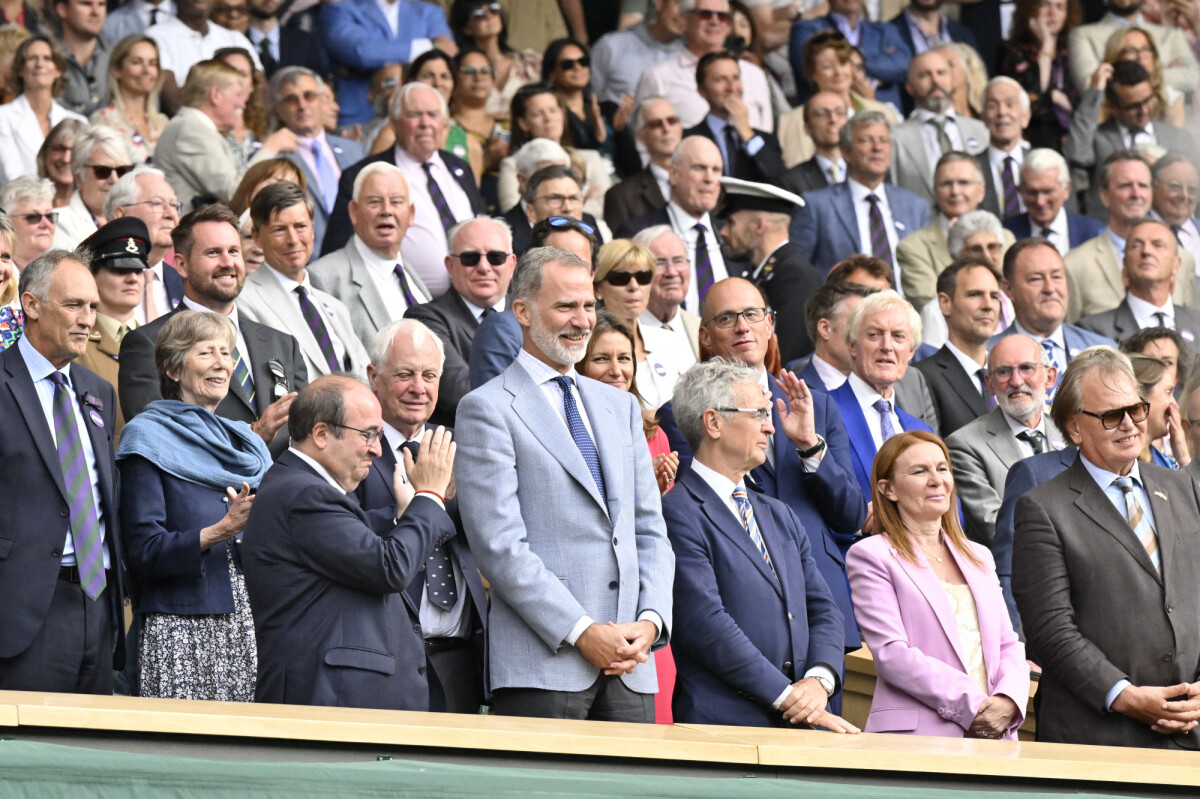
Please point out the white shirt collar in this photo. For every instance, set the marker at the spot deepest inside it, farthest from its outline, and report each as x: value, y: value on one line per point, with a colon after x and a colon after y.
x: 318, y: 468
x: 866, y: 394
x: 288, y: 284
x: 373, y: 259
x: 1056, y: 336
x: 969, y: 364
x: 1019, y: 427
x: 1144, y: 311
x: 859, y: 193
x: 830, y: 375
x: 542, y: 372
x: 192, y: 305
x: 477, y: 310
x: 721, y: 485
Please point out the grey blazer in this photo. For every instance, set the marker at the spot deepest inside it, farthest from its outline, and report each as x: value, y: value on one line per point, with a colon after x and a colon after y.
x: 982, y: 452
x: 1119, y: 323
x: 344, y: 275
x: 914, y: 397
x: 263, y: 300
x: 910, y: 163
x: 552, y: 551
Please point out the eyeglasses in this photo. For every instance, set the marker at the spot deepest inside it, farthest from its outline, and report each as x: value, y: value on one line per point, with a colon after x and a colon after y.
x: 679, y: 262
x: 105, y: 172
x: 36, y: 218
x: 1133, y: 53
x: 753, y: 316
x: 231, y: 11
x: 1136, y: 105
x: 708, y: 15
x: 566, y: 221
x: 619, y: 277
x: 1026, y: 370
x: 471, y: 72
x: 1112, y: 419
x: 560, y: 200
x: 484, y: 10
x: 159, y: 205
x: 494, y: 257
x: 759, y: 415
x: 568, y: 64
x: 369, y: 436
x: 662, y: 124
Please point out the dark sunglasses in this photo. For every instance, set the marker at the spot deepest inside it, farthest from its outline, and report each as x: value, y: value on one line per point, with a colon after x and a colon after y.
x: 619, y: 277
x: 708, y: 14
x: 105, y: 172
x: 568, y: 64
x: 663, y: 124
x: 36, y: 218
x: 484, y: 10
x: 1112, y: 419
x: 566, y: 221
x: 494, y: 257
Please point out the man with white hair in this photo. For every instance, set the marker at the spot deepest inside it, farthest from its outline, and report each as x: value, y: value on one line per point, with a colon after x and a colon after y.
x: 882, y: 333
x: 369, y: 275
x: 1006, y: 112
x: 657, y: 127
x: 442, y: 185
x: 1045, y: 187
x: 145, y: 194
x: 672, y: 277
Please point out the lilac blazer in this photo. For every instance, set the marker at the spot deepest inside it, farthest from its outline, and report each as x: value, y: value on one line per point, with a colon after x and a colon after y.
x: 908, y: 623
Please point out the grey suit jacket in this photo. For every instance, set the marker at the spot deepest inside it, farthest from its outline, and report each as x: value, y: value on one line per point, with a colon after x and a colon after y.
x: 196, y: 159
x: 344, y: 275
x: 263, y: 300
x: 982, y: 452
x: 1120, y: 323
x: 551, y: 549
x: 910, y: 163
x: 346, y: 152
x: 1097, y: 285
x: 914, y: 397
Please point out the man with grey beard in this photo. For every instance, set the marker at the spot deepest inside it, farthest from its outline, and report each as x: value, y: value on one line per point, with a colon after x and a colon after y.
x: 561, y: 508
x: 1019, y: 374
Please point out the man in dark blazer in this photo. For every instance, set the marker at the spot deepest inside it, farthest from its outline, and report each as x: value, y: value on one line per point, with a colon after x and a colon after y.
x: 1045, y: 188
x: 60, y: 574
x: 823, y: 117
x: 326, y: 579
x: 477, y: 290
x: 1120, y: 655
x: 405, y: 381
x: 759, y: 641
x: 657, y: 127
x: 555, y: 180
x: 282, y: 46
x: 208, y: 256
x: 1006, y: 112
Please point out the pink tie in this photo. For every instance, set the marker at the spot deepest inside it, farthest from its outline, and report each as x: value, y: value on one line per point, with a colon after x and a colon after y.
x: 148, y: 302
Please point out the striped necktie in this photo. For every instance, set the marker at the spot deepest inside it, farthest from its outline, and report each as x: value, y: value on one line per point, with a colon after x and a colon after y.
x: 317, y: 325
x: 438, y: 198
x: 1139, y: 522
x: 405, y: 289
x: 241, y: 373
x: 746, y: 512
x: 880, y: 248
x: 704, y: 270
x: 85, y: 519
x: 1008, y: 180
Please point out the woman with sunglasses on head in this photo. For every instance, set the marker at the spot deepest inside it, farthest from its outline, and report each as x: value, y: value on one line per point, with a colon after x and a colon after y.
x: 54, y: 158
x: 97, y: 161
x: 1164, y: 426
x: 38, y: 76
x: 567, y: 66
x: 1136, y: 44
x: 134, y: 83
x: 624, y: 272
x: 483, y: 25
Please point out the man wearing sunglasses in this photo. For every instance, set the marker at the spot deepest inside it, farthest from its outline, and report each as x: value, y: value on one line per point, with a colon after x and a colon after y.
x: 1104, y: 567
x: 656, y: 126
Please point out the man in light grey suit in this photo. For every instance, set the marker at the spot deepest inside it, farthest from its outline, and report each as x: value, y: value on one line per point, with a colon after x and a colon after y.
x: 933, y: 128
x: 369, y: 275
x: 295, y: 95
x: 280, y: 294
x: 562, y: 512
x: 1019, y: 371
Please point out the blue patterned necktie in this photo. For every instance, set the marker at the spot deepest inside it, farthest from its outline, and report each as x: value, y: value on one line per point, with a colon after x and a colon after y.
x: 580, y: 434
x: 325, y: 175
x: 317, y: 325
x: 438, y: 198
x: 746, y: 512
x: 85, y: 521
x: 886, y: 430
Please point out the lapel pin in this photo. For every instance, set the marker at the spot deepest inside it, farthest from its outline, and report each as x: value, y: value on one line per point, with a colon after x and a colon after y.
x: 1161, y: 496
x: 97, y: 420
x: 900, y: 225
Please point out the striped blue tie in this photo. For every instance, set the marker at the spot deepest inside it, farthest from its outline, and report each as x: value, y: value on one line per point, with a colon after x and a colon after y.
x: 746, y: 511
x: 580, y: 434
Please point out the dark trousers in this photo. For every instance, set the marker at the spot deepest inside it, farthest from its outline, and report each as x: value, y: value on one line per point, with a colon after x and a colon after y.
x: 72, y: 653
x: 455, y: 680
x: 608, y: 699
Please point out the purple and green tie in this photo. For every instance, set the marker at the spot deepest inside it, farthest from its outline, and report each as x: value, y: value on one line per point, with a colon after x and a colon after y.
x: 880, y: 248
x: 1008, y: 179
x: 85, y: 522
x: 405, y: 289
x: 241, y: 373
x: 319, y: 331
x: 704, y: 269
x: 439, y: 199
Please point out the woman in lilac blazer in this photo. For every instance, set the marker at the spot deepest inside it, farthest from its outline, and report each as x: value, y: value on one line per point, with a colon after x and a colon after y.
x: 930, y: 607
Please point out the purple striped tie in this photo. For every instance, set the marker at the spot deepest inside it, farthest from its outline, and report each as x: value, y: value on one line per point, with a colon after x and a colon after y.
x: 85, y: 523
x: 1012, y: 205
x: 439, y: 199
x: 879, y: 239
x: 319, y: 331
x: 404, y: 287
x: 704, y: 270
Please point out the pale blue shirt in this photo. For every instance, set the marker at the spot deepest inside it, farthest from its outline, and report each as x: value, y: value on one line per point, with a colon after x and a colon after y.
x: 718, y: 125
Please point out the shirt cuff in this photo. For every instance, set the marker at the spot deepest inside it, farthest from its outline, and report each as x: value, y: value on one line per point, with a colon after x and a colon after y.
x: 655, y: 619
x: 754, y: 145
x: 811, y: 464
x: 433, y: 496
x: 821, y: 670
x: 1114, y: 692
x: 782, y: 698
x: 578, y: 629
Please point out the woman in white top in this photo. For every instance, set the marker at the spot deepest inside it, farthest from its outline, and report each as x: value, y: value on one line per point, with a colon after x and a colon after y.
x: 622, y: 284
x: 98, y: 160
x: 38, y: 76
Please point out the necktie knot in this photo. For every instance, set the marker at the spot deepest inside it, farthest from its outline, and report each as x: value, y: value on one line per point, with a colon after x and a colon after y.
x: 1124, y: 483
x: 59, y: 379
x: 1035, y: 439
x: 886, y: 428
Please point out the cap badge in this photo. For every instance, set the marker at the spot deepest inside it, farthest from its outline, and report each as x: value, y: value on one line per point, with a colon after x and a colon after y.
x: 132, y: 247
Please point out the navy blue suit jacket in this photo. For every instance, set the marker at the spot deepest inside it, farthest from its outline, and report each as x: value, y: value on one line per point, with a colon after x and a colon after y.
x: 827, y: 502
x: 862, y: 444
x: 825, y: 230
x: 326, y: 584
x: 743, y: 634
x: 498, y: 340
x: 884, y: 51
x: 1079, y: 228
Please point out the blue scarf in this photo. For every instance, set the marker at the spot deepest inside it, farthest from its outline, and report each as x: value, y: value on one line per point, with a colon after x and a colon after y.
x: 196, y: 445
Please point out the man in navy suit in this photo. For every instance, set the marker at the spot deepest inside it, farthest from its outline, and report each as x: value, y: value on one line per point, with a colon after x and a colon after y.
x: 808, y: 466
x: 325, y: 578
x: 760, y: 637
x: 281, y: 46
x: 862, y: 214
x: 60, y: 574
x: 419, y: 117
x: 1045, y: 188
x: 406, y: 365
x: 552, y: 190
x: 881, y: 332
x: 923, y: 25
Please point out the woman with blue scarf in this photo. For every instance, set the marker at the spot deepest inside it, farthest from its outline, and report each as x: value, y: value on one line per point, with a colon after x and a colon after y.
x: 186, y: 478
x: 1156, y: 384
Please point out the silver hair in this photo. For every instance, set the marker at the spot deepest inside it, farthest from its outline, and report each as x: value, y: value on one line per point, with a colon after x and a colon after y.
x: 400, y: 99
x: 374, y: 169
x: 970, y: 223
x: 35, y: 277
x: 420, y: 333
x: 26, y: 188
x: 504, y: 228
x: 286, y: 77
x: 527, y: 281
x: 707, y: 386
x: 1004, y: 80
x: 110, y: 142
x: 648, y: 236
x: 1043, y: 159
x: 846, y: 136
x: 126, y: 190
x: 637, y: 123
x: 536, y: 151
x: 883, y: 301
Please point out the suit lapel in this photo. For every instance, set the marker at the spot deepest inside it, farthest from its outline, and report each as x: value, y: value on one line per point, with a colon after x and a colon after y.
x: 1095, y: 504
x: 1166, y: 523
x: 927, y: 583
x: 26, y: 398
x: 285, y: 309
x: 1124, y: 322
x: 1001, y: 441
x: 730, y: 525
x: 856, y: 428
x: 962, y: 383
x: 844, y: 210
x: 365, y: 289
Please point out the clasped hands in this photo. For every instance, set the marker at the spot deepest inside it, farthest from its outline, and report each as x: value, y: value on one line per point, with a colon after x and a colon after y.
x: 1167, y: 709
x: 617, y: 648
x: 806, y: 705
x: 993, y: 717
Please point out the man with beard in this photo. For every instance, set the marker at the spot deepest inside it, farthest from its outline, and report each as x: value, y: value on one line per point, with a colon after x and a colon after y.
x: 933, y: 129
x: 983, y: 451
x: 1086, y: 44
x: 268, y: 366
x: 561, y: 510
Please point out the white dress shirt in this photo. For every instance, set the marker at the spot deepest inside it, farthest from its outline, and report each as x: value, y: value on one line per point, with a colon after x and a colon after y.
x: 1019, y: 427
x: 968, y: 364
x: 1144, y: 312
x: 867, y: 396
x: 657, y: 375
x: 679, y: 335
x: 383, y: 277
x: 830, y: 375
x: 1142, y: 138
x: 675, y: 79
x: 684, y: 225
x: 289, y: 287
x: 425, y: 245
x: 1060, y: 232
x: 180, y: 48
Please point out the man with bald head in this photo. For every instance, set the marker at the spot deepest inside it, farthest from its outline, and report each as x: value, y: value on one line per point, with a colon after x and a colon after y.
x: 369, y: 275
x: 696, y: 169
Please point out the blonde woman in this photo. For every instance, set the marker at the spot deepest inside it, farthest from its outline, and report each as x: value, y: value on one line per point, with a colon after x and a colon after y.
x: 134, y: 83
x: 1135, y: 44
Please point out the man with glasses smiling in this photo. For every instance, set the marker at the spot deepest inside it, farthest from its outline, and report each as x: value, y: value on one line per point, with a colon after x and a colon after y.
x: 1176, y: 190
x: 1104, y: 565
x: 145, y: 194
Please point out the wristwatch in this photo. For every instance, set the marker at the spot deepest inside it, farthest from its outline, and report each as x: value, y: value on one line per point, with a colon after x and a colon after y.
x: 813, y: 450
x: 825, y: 682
